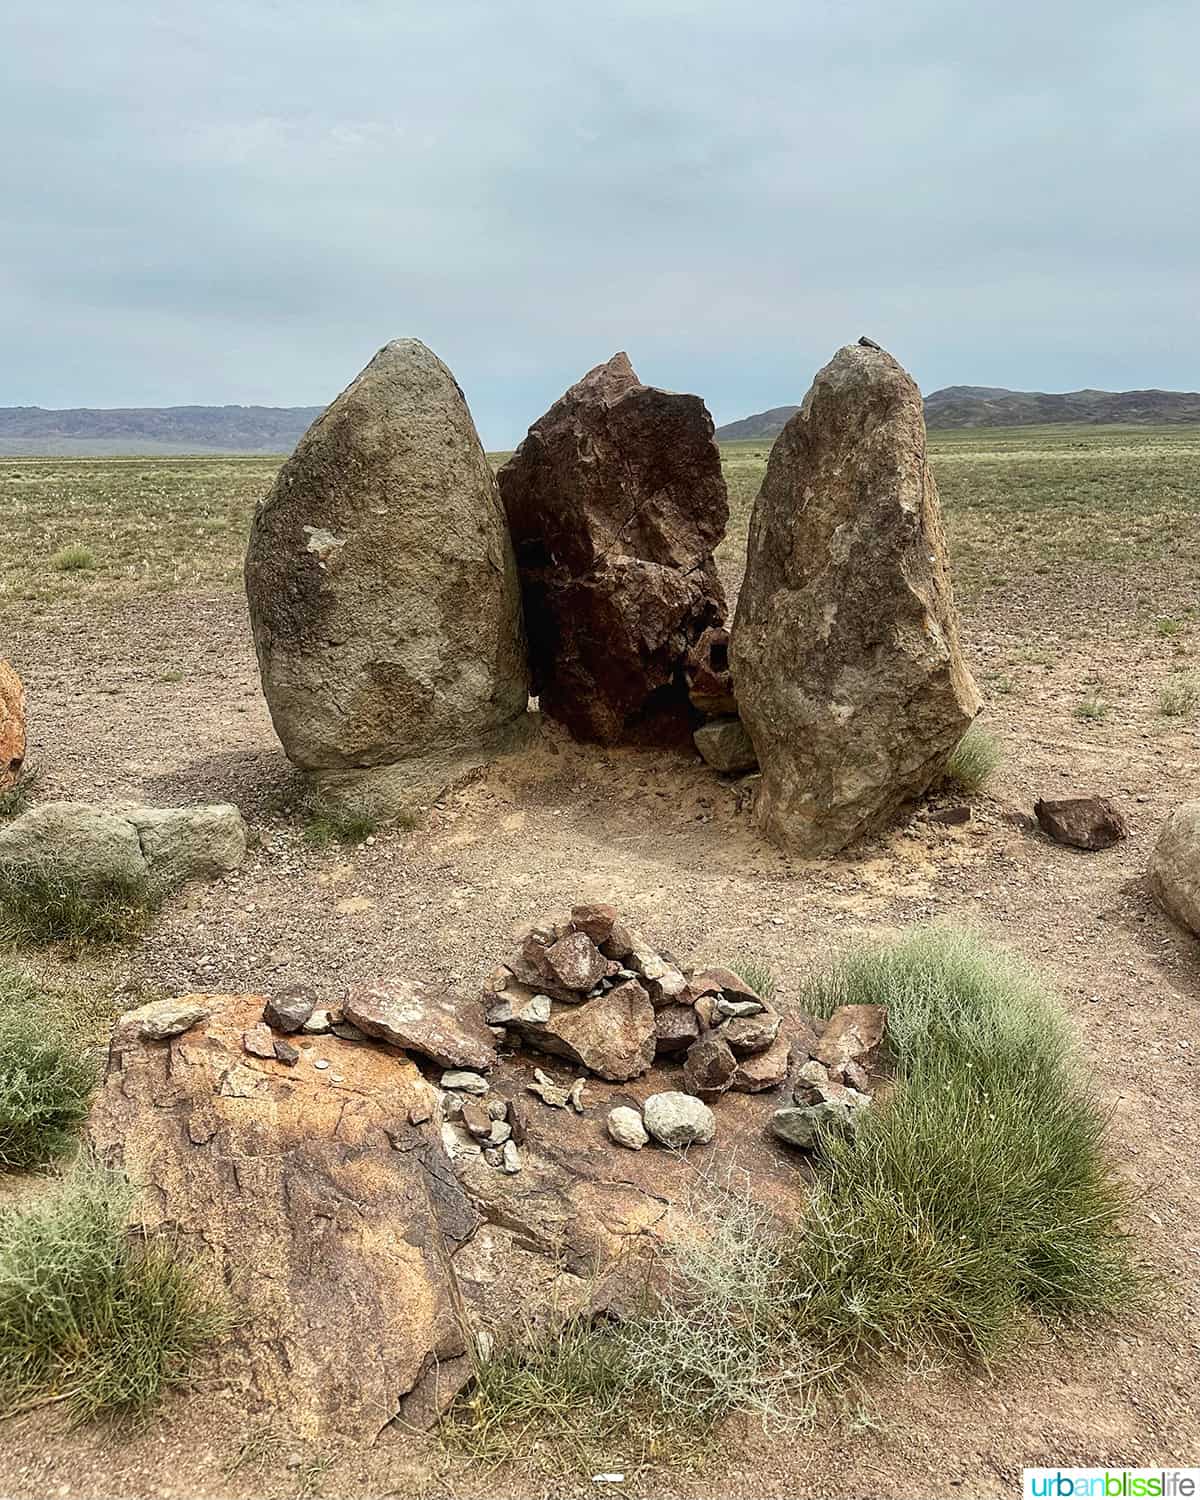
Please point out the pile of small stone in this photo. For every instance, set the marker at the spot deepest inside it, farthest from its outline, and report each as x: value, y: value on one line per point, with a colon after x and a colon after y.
x: 593, y: 990
x: 833, y: 1087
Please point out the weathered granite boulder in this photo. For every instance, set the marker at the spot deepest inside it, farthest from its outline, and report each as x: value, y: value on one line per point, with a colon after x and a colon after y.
x: 382, y: 588
x: 845, y: 651
x: 616, y: 502
x: 127, y: 845
x: 12, y: 725
x: 1175, y: 866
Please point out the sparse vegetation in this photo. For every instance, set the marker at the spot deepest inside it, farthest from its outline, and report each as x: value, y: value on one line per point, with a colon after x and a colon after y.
x: 975, y: 760
x: 18, y: 798
x: 1179, y: 696
x: 1167, y: 627
x: 75, y: 558
x: 47, y: 1074
x: 657, y: 1383
x: 758, y: 976
x: 1092, y: 708
x: 91, y: 1313
x: 973, y: 1197
x: 52, y: 902
x: 328, y: 824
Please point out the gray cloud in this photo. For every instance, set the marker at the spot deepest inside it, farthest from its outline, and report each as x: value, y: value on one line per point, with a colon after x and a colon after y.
x: 240, y: 202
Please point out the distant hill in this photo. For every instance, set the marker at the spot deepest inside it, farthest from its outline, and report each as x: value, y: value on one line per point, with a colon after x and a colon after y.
x: 764, y: 424
x: 148, y: 429
x: 992, y: 406
x: 986, y: 406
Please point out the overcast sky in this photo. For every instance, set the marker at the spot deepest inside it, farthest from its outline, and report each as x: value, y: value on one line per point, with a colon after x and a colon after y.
x: 240, y: 200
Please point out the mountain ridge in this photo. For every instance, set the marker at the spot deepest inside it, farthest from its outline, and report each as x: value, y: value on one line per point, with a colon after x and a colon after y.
x: 959, y: 406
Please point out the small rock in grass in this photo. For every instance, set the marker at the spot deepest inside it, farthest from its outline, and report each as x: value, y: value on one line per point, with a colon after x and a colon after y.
x: 465, y: 1081
x: 625, y: 1127
x: 289, y: 1008
x: 802, y: 1125
x: 678, y: 1120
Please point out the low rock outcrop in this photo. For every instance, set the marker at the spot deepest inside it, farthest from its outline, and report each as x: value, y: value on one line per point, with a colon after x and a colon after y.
x: 616, y: 502
x: 845, y: 654
x: 161, y: 847
x: 382, y: 588
x: 12, y: 725
x: 373, y: 1222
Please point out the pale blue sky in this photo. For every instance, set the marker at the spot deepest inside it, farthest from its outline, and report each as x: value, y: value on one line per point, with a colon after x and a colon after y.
x: 241, y: 201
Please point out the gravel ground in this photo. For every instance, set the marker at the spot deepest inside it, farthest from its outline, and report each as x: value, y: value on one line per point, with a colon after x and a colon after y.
x: 158, y: 699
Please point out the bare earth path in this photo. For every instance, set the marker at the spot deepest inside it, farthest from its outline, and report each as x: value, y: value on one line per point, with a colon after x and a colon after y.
x: 159, y: 699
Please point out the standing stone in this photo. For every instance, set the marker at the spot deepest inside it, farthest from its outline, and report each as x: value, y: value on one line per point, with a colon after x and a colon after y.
x: 845, y: 651
x: 616, y: 502
x: 382, y: 588
x: 12, y: 726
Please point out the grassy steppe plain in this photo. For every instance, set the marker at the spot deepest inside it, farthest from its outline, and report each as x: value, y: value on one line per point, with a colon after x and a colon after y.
x: 1041, y: 500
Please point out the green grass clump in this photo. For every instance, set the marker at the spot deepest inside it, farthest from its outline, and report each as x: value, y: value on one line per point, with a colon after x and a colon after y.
x: 16, y: 799
x: 46, y: 1077
x: 758, y: 975
x: 91, y: 1313
x: 51, y: 902
x: 1093, y: 707
x: 1179, y: 697
x: 975, y: 759
x: 977, y: 1194
x: 328, y: 825
x: 75, y: 558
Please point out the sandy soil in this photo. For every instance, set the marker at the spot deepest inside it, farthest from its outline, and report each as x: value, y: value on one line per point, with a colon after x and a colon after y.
x: 159, y: 700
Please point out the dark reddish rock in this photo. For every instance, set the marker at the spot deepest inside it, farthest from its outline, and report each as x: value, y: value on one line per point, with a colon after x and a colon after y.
x: 517, y: 1114
x: 722, y: 982
x: 436, y: 1023
x: 286, y: 1053
x: 616, y: 503
x: 762, y: 1070
x: 611, y: 1035
x: 676, y: 1027
x: 1090, y: 823
x: 746, y: 1034
x: 289, y: 1008
x: 709, y: 680
x: 596, y: 918
x: 708, y: 1067
x: 577, y: 962
x: 950, y: 817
